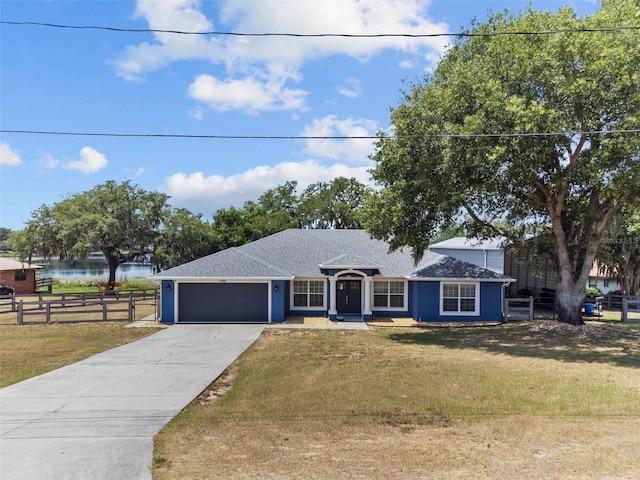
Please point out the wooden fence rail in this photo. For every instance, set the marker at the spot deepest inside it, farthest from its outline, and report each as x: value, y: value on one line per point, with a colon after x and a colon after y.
x: 615, y: 301
x: 85, y: 308
x: 10, y: 302
x: 630, y: 304
x: 518, y: 308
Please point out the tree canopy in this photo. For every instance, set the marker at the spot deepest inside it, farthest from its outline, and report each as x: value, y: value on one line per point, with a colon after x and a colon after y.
x: 620, y: 255
x: 519, y: 134
x: 121, y: 220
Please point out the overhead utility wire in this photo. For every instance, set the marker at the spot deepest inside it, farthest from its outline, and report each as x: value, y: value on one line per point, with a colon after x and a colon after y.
x: 316, y: 137
x: 317, y: 35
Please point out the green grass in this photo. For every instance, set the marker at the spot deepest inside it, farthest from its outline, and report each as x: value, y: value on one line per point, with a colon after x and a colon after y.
x: 27, y: 351
x: 397, y: 392
x: 93, y: 285
x: 388, y: 371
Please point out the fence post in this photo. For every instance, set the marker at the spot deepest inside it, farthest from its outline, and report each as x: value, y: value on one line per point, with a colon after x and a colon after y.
x: 530, y: 308
x: 104, y: 310
x: 131, y: 309
x: 20, y: 319
x: 47, y: 314
x: 505, y: 309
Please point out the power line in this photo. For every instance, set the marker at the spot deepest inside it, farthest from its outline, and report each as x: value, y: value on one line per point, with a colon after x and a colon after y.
x: 316, y: 137
x: 321, y: 35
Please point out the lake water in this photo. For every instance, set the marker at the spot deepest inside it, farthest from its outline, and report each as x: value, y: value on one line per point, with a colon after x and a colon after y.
x: 93, y: 267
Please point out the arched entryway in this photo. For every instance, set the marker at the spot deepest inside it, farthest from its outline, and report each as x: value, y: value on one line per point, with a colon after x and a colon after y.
x: 350, y: 294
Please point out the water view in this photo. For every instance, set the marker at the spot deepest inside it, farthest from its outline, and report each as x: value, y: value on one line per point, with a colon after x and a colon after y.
x: 93, y: 267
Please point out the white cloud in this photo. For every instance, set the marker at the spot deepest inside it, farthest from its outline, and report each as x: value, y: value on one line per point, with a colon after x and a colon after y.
x: 406, y: 64
x: 329, y: 16
x: 47, y: 162
x: 206, y: 194
x: 350, y: 88
x: 349, y: 150
x: 248, y: 94
x: 90, y: 161
x: 181, y: 15
x: 8, y: 156
x: 257, y: 68
x: 197, y: 113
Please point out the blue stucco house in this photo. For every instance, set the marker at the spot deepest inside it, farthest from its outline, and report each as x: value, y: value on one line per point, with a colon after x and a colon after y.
x: 334, y: 273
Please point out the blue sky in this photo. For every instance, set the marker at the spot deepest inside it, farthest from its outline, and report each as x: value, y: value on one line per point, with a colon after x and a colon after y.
x: 100, y: 81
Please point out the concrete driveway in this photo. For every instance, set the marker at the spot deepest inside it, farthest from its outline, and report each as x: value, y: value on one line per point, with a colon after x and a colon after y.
x: 96, y: 419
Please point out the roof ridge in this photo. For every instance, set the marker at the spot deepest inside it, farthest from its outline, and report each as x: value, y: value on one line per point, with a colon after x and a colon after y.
x: 342, y: 255
x: 259, y: 260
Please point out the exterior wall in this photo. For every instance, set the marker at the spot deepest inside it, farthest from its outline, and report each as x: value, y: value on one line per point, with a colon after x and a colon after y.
x: 167, y: 301
x: 425, y: 303
x: 532, y: 271
x: 288, y: 311
x: 26, y: 286
x: 278, y: 300
x: 605, y: 285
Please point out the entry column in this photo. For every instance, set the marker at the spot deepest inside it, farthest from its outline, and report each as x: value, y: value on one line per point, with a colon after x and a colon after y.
x: 333, y: 311
x: 367, y: 313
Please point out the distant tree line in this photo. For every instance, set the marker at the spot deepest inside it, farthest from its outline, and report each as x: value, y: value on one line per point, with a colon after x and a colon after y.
x: 127, y: 223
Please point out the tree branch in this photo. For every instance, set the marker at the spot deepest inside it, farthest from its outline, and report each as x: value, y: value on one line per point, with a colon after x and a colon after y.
x: 484, y: 223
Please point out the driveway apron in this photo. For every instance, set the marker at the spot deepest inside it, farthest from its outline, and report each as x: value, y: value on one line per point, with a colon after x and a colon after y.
x: 96, y: 419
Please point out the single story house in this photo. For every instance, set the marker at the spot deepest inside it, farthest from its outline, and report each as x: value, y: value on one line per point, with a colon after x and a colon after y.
x: 19, y: 275
x: 334, y: 273
x: 603, y: 280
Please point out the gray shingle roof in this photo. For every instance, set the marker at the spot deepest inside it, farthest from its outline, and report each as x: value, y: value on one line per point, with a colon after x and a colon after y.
x: 299, y: 253
x: 448, y: 267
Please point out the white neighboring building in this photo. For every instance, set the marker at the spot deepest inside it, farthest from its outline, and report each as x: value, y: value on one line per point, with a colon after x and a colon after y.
x: 534, y: 273
x: 487, y: 254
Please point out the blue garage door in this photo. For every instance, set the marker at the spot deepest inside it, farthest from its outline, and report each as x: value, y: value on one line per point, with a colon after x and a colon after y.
x: 223, y: 302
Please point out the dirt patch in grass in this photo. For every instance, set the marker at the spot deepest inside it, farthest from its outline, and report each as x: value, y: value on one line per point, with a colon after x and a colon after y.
x: 502, y: 448
x: 301, y: 320
x: 518, y: 401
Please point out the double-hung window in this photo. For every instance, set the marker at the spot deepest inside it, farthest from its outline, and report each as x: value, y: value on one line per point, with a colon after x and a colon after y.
x: 459, y: 299
x: 389, y: 294
x: 308, y: 293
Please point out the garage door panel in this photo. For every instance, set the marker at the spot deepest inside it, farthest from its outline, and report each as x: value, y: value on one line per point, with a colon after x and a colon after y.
x: 223, y: 302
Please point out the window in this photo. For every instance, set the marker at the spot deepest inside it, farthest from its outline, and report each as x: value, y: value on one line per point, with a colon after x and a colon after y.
x: 459, y: 299
x: 20, y: 275
x: 389, y: 294
x: 308, y: 293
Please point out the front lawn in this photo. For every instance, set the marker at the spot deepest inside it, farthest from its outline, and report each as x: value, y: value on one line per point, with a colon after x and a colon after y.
x: 30, y: 350
x: 522, y: 400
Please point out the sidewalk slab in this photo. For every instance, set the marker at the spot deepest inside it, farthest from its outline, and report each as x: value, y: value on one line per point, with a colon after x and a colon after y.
x: 96, y: 419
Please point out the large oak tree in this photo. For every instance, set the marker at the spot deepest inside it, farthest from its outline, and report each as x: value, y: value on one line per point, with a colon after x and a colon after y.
x: 570, y: 97
x: 121, y: 220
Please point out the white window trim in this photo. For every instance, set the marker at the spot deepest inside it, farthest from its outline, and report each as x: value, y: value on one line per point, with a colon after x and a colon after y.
x: 476, y: 311
x: 405, y: 300
x: 324, y: 294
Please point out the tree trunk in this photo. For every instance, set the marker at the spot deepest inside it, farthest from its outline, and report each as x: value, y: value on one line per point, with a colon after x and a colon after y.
x: 570, y: 303
x: 112, y: 261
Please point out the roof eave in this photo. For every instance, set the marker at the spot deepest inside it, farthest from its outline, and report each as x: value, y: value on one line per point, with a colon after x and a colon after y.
x: 350, y: 267
x: 461, y: 279
x: 217, y: 279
